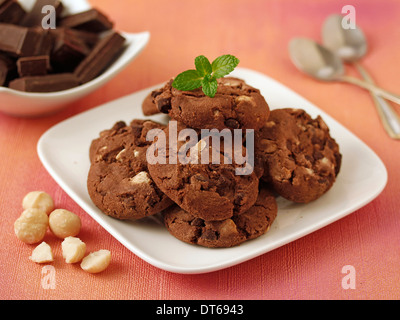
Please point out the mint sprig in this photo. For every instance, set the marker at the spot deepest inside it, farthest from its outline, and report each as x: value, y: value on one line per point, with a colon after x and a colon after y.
x: 206, y: 74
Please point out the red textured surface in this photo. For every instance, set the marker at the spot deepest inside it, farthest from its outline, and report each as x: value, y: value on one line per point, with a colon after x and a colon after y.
x: 257, y: 32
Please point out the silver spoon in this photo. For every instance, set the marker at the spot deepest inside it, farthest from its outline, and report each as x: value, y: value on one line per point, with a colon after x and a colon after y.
x: 322, y: 64
x: 351, y: 46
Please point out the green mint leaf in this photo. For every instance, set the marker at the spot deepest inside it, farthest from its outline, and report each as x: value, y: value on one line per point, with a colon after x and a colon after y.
x: 203, y: 65
x: 224, y: 65
x: 206, y: 74
x: 188, y: 80
x: 209, y: 86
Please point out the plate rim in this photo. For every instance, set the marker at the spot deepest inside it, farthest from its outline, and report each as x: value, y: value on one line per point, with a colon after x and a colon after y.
x: 233, y: 261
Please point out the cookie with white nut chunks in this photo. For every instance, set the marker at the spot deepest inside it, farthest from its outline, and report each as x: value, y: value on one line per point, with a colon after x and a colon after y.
x: 301, y: 159
x: 118, y: 181
x: 226, y: 233
x: 236, y: 105
x: 210, y: 185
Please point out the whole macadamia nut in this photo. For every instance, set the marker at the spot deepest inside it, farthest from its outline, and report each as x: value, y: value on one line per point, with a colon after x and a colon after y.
x: 31, y: 226
x: 38, y: 200
x: 64, y: 223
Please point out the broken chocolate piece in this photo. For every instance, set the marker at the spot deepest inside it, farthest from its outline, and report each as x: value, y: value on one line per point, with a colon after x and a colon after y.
x: 164, y: 104
x: 46, y: 43
x: 33, y: 66
x: 232, y: 123
x: 68, y: 52
x: 11, y: 12
x: 6, y: 65
x: 3, y: 72
x: 48, y: 83
x: 19, y: 41
x: 24, y: 42
x: 102, y: 55
x: 92, y: 20
x: 89, y: 38
x: 35, y: 16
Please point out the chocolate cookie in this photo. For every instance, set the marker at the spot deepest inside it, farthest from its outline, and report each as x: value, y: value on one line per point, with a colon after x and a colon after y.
x: 202, y: 187
x: 301, y: 159
x: 236, y: 105
x: 226, y: 233
x: 118, y: 181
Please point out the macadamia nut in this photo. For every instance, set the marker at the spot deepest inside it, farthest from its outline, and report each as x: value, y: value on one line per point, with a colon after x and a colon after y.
x: 64, y: 223
x: 42, y: 254
x: 31, y: 226
x: 38, y: 200
x: 97, y: 261
x: 73, y: 249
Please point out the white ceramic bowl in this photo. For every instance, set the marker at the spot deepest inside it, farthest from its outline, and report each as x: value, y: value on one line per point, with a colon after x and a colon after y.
x: 26, y: 104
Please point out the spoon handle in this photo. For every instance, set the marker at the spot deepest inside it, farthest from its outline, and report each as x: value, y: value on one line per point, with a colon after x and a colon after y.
x: 378, y: 91
x: 390, y: 119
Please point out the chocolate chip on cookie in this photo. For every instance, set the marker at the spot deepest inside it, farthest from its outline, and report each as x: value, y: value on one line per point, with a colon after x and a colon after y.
x: 301, y: 159
x: 118, y: 181
x: 205, y: 189
x: 225, y: 233
x: 236, y: 105
x: 149, y: 108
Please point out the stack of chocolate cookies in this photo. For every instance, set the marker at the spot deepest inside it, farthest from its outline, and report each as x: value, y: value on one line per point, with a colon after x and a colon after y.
x: 202, y: 202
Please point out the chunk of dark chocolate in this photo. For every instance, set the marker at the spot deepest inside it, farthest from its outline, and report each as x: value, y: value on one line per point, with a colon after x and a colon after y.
x: 91, y: 20
x: 89, y: 38
x: 11, y: 12
x: 34, y: 17
x: 102, y: 55
x: 69, y: 50
x: 33, y: 66
x: 19, y: 41
x: 48, y: 83
x: 46, y: 42
x: 5, y: 66
x: 3, y: 73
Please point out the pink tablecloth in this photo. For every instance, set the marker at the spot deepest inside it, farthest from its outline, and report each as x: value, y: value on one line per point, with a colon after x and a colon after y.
x: 257, y: 32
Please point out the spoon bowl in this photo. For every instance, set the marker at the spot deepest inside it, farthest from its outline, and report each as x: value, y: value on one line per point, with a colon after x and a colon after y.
x: 315, y: 60
x: 349, y: 44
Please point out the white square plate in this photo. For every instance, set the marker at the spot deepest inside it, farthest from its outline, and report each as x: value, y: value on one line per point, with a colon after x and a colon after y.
x: 64, y: 149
